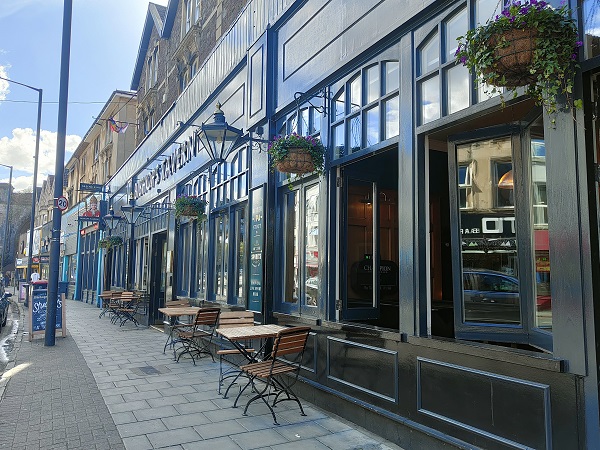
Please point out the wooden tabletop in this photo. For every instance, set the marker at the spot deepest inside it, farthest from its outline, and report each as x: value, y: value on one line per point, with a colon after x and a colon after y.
x: 249, y: 332
x: 180, y: 311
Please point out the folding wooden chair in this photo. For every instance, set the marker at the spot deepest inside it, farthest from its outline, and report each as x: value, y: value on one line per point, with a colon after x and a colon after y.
x: 234, y: 356
x: 129, y: 304
x: 171, y: 324
x: 279, y: 373
x: 199, y: 337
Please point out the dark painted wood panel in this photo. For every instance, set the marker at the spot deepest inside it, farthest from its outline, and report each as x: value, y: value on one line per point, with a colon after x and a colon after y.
x: 365, y: 368
x: 505, y: 409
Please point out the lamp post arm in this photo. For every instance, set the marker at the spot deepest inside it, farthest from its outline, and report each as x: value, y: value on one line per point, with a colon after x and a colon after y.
x: 34, y: 193
x: 21, y: 84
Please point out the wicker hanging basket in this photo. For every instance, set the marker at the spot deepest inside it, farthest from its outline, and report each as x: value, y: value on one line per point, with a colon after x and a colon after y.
x: 513, y: 59
x: 298, y: 160
x: 189, y: 211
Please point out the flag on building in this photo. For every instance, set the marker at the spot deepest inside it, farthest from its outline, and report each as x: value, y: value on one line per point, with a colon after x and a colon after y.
x: 117, y: 127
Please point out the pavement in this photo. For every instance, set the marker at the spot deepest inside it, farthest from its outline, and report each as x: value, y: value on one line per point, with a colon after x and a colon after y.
x: 111, y: 387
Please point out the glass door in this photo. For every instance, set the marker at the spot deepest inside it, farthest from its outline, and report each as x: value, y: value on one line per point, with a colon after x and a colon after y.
x: 502, y: 292
x: 369, y: 244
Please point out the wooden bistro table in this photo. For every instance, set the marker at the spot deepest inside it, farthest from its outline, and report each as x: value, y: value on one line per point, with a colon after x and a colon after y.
x: 238, y: 335
x: 173, y: 314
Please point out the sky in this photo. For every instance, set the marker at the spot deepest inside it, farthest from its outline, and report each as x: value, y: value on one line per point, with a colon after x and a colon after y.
x: 105, y: 38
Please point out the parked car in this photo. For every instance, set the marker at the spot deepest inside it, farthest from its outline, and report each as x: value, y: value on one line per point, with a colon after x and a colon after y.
x: 4, y: 306
x: 491, y: 296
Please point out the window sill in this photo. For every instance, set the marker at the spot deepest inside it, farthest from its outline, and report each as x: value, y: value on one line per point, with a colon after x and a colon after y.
x: 509, y: 355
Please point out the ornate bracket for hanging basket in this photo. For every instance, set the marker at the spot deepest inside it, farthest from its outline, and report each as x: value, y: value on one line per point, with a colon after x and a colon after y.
x: 514, y: 54
x: 298, y: 160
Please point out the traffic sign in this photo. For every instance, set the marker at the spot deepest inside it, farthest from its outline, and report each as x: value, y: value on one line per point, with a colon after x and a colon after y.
x: 62, y: 203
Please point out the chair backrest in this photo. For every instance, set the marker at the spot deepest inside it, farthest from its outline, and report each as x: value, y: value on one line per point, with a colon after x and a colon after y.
x: 231, y: 319
x: 290, y: 341
x: 177, y: 303
x: 207, y: 317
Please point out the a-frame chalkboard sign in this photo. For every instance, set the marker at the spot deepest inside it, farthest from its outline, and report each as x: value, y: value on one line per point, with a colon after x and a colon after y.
x: 37, y: 313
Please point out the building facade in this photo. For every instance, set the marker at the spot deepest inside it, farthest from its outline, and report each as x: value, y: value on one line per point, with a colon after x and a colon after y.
x: 448, y: 259
x: 106, y: 145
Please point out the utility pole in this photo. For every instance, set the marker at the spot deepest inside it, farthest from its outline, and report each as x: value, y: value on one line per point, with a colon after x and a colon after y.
x: 59, y: 172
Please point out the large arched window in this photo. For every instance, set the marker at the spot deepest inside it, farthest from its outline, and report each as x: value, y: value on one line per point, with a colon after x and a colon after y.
x: 444, y: 87
x: 365, y: 109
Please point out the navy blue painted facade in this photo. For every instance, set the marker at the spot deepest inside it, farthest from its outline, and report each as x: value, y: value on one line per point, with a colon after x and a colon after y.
x: 376, y: 255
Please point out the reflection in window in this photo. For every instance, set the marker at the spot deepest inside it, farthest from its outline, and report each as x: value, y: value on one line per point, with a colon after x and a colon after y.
x: 430, y: 100
x: 489, y: 243
x: 311, y: 246
x: 458, y: 88
x: 373, y: 83
x: 372, y: 123
x: 339, y: 103
x: 504, y: 185
x: 429, y: 55
x: 339, y: 146
x: 355, y: 94
x: 465, y: 186
x: 485, y: 10
x: 539, y: 206
x: 591, y: 28
x: 291, y: 268
x: 355, y: 133
x: 392, y: 76
x: 362, y: 122
x: 392, y: 117
x: 455, y: 26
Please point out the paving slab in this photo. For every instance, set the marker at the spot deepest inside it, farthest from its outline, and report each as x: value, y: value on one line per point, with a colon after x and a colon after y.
x: 111, y: 387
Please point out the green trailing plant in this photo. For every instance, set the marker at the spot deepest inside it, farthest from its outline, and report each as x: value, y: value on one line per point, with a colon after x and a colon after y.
x: 190, y: 206
x: 296, y: 154
x: 529, y: 44
x: 109, y: 242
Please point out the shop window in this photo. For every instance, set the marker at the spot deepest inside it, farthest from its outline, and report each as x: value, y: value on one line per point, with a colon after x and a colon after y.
x: 504, y: 269
x: 300, y: 238
x: 185, y: 261
x: 591, y: 28
x: 221, y: 262
x: 443, y: 87
x: 503, y: 184
x: 230, y: 179
x: 465, y: 186
x: 365, y: 109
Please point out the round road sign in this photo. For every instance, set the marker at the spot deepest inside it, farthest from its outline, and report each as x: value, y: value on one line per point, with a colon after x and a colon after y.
x: 62, y: 203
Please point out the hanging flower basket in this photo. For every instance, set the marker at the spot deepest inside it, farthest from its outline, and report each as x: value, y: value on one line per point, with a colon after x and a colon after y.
x: 295, y: 154
x: 109, y: 242
x: 297, y: 160
x: 513, y: 51
x: 529, y: 44
x: 190, y: 206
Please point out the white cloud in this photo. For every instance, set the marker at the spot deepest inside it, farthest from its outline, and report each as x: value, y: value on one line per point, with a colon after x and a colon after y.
x: 23, y: 183
x: 4, y: 85
x: 18, y: 151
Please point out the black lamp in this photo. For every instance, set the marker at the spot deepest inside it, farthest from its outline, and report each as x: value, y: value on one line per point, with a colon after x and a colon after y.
x: 111, y: 220
x: 131, y: 212
x: 220, y: 138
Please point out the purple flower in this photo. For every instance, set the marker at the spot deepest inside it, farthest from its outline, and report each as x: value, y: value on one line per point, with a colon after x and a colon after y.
x: 578, y: 44
x: 574, y: 56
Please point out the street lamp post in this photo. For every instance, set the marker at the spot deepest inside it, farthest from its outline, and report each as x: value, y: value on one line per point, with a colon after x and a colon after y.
x: 35, y: 171
x: 7, y: 226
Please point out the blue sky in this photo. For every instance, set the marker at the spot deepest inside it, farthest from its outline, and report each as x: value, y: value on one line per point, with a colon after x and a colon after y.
x: 105, y: 38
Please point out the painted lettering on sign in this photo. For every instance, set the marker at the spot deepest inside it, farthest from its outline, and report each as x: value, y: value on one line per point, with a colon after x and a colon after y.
x: 181, y: 156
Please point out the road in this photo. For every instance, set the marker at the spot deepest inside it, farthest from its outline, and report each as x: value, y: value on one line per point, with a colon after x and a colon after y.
x: 9, y: 333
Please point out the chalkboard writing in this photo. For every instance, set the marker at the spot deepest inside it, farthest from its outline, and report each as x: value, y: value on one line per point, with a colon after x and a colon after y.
x: 38, y: 306
x: 256, y: 249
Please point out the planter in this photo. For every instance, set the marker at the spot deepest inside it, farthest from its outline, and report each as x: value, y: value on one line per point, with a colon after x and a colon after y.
x: 189, y: 211
x: 514, y: 51
x: 298, y: 160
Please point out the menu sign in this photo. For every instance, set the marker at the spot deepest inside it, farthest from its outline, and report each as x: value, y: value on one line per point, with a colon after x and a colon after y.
x: 37, y: 313
x: 256, y: 249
